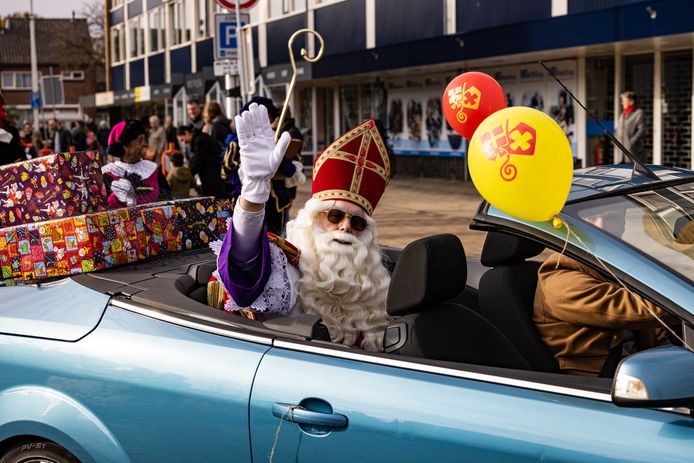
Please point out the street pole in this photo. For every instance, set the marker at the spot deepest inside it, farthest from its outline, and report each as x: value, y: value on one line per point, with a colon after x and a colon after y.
x: 240, y: 51
x: 228, y: 100
x: 34, y: 64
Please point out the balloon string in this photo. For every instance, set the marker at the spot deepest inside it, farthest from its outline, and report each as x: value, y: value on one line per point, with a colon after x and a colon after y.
x: 640, y: 300
x: 566, y: 240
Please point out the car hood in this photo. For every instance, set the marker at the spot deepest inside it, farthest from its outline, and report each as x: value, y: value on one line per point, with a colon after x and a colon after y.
x: 63, y: 310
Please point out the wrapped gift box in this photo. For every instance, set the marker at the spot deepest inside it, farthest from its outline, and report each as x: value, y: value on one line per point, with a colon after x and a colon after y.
x: 54, y: 186
x: 86, y: 243
x: 203, y: 220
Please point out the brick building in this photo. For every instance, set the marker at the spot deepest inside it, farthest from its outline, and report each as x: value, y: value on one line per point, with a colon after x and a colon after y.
x: 63, y: 66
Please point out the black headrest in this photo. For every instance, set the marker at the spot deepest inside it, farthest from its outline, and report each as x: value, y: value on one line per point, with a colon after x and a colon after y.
x: 429, y: 271
x: 503, y: 249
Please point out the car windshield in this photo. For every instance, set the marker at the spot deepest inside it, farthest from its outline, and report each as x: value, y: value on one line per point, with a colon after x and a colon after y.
x: 658, y: 223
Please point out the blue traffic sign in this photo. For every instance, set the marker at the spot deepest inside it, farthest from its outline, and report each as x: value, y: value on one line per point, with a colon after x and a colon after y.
x: 35, y: 100
x: 225, y: 35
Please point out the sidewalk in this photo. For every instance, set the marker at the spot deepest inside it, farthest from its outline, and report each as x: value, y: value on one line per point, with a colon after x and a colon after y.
x: 415, y: 207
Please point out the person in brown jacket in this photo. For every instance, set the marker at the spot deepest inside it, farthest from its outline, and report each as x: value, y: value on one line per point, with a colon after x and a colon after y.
x: 581, y: 315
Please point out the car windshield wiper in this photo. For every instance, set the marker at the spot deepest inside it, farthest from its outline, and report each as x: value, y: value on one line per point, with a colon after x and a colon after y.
x: 640, y: 169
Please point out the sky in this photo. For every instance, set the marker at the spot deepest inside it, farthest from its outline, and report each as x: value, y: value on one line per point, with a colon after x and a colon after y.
x: 44, y: 8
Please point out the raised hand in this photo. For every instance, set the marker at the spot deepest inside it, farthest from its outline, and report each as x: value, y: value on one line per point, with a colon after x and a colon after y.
x: 260, y: 156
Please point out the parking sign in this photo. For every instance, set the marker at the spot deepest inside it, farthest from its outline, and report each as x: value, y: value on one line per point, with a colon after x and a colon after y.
x: 225, y: 35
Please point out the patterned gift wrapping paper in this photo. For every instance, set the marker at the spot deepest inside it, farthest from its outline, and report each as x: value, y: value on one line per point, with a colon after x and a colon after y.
x: 86, y: 243
x: 203, y: 220
x: 49, y: 187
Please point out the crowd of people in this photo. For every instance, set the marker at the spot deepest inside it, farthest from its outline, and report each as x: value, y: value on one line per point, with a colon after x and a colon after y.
x: 199, y: 157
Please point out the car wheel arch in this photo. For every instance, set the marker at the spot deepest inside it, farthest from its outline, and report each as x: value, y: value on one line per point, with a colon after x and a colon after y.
x: 40, y: 412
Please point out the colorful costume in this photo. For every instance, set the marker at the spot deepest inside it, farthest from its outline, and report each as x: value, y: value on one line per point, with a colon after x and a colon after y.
x: 131, y: 184
x: 260, y: 274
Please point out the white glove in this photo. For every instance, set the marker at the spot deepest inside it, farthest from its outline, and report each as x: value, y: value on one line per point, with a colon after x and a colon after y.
x: 260, y: 157
x: 124, y: 191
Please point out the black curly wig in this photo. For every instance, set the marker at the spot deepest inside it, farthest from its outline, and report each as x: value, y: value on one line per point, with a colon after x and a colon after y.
x: 133, y: 129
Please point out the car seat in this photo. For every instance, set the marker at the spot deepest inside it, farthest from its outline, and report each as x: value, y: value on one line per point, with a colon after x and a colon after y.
x: 429, y: 272
x: 507, y: 293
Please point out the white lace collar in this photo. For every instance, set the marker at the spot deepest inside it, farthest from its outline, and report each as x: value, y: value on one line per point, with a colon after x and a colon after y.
x: 143, y: 168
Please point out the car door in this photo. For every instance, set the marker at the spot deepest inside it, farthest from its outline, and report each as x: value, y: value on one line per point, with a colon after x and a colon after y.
x: 361, y: 407
x: 143, y: 386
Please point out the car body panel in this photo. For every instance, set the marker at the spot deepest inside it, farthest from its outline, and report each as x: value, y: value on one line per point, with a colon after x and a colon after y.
x: 157, y: 387
x: 400, y: 415
x: 62, y: 310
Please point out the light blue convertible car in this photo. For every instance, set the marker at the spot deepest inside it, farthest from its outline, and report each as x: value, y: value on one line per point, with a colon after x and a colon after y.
x: 131, y: 365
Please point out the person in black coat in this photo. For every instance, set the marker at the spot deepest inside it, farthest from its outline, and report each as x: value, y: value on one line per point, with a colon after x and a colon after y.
x: 205, y: 160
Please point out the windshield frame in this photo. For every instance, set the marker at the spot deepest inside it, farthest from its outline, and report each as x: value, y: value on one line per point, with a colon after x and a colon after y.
x: 635, y: 200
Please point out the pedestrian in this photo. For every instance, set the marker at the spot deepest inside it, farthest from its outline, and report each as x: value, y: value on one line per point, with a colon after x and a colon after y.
x: 217, y: 124
x: 102, y: 136
x: 204, y: 162
x: 157, y: 138
x: 631, y: 129
x: 79, y: 136
x: 171, y: 135
x: 27, y: 139
x: 60, y: 138
x: 90, y: 124
x: 131, y: 179
x: 180, y: 178
x: 194, y: 113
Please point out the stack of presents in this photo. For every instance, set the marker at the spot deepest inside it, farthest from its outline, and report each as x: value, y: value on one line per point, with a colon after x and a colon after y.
x: 55, y: 221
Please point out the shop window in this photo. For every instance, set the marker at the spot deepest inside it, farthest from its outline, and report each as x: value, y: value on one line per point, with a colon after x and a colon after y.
x: 349, y: 104
x: 303, y: 119
x: 600, y: 102
x: 676, y: 108
x: 638, y: 77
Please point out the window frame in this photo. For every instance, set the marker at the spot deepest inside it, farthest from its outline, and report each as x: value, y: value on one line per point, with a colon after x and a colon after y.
x: 71, y: 76
x: 14, y: 75
x: 120, y: 30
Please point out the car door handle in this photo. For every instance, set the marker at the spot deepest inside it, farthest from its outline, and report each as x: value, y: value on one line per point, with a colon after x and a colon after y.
x: 300, y: 415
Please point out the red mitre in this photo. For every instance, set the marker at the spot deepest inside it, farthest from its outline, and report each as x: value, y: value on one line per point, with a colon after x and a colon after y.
x: 354, y: 168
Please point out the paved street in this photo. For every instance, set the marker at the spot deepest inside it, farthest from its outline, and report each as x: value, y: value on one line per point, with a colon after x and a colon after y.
x: 415, y: 207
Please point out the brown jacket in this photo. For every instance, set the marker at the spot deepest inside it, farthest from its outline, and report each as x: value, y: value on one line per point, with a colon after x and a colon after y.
x: 581, y: 315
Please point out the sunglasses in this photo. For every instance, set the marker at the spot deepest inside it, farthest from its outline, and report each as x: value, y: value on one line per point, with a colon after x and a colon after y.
x: 336, y: 216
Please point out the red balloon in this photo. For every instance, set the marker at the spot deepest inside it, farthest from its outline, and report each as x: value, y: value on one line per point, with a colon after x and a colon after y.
x: 469, y: 99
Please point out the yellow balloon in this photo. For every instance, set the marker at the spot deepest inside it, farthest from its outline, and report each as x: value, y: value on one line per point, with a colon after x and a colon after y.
x: 521, y: 163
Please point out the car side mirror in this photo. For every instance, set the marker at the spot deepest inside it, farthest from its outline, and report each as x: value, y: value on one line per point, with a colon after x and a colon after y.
x: 659, y: 377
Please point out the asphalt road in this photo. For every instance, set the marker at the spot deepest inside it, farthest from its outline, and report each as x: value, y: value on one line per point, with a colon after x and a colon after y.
x: 412, y: 208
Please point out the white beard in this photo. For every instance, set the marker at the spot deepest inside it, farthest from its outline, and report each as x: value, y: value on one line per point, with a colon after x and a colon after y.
x: 344, y: 284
